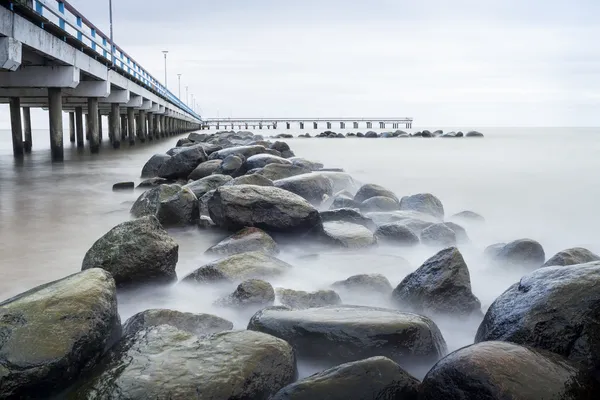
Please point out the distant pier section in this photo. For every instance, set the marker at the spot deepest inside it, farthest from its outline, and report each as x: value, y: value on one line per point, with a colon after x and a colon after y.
x: 307, y: 123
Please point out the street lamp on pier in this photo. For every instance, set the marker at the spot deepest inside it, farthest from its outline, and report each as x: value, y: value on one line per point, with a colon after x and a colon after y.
x: 179, y: 82
x: 165, y: 52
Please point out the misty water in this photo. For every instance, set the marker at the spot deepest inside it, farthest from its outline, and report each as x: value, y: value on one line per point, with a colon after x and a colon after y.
x: 537, y: 183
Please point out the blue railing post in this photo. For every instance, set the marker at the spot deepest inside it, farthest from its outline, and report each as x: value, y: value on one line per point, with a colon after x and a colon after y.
x: 61, y: 21
x: 94, y: 39
x: 79, y: 24
x: 104, y: 44
x: 39, y: 8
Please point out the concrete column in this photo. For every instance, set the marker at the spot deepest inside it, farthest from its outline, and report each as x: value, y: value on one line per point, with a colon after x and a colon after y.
x: 72, y: 127
x: 87, y: 126
x: 100, y: 125
x: 161, y: 122
x: 114, y: 131
x: 93, y: 124
x: 131, y: 125
x: 79, y: 125
x: 56, y: 123
x: 142, y: 128
x: 155, y: 133
x: 16, y: 126
x: 150, y: 126
x: 27, y: 129
x: 123, y: 127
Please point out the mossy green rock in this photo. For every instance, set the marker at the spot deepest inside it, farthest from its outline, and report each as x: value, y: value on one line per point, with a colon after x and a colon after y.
x: 166, y: 363
x: 53, y: 333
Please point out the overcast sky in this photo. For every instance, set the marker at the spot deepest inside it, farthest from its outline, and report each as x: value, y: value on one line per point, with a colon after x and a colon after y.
x: 445, y: 63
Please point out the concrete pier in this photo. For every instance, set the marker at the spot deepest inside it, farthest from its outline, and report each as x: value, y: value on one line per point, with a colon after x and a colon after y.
x: 142, y: 129
x: 79, y: 126
x: 100, y: 125
x: 28, y: 142
x: 93, y: 125
x: 131, y: 125
x: 72, y: 127
x: 16, y: 126
x: 114, y: 130
x: 123, y: 120
x: 150, y: 118
x: 56, y: 123
x: 156, y: 132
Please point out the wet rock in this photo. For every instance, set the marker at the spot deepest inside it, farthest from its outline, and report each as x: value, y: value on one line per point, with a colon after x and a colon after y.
x: 281, y: 171
x: 178, y: 210
x: 360, y: 135
x: 135, y: 252
x: 245, y: 151
x: 182, y: 142
x: 396, y: 234
x: 121, y: 186
x: 182, y: 164
x: 52, y: 334
x: 341, y: 180
x: 414, y: 220
x: 467, y: 216
x: 262, y: 160
x: 574, y: 256
x: 281, y: 146
x: 493, y: 250
x: 167, y: 363
x: 474, y: 134
x: 426, y: 134
x: 267, y: 208
x: 425, y: 203
x: 343, y: 201
x: 461, y: 233
x: 205, y: 185
x: 311, y: 187
x: 238, y: 268
x: 335, y: 334
x: 299, y: 300
x: 365, y: 283
x: 442, y: 285
x: 196, y: 324
x: 205, y: 169
x: 379, y: 203
x: 368, y: 191
x: 348, y: 235
x: 252, y: 179
x: 348, y: 215
x: 304, y: 163
x: 371, y: 135
x: 153, y: 182
x: 553, y: 308
x: 248, y: 239
x: 499, y: 370
x: 373, y: 378
x: 252, y: 293
x: 438, y: 235
x: 197, y: 137
x: 524, y: 253
x: 232, y: 166
x: 149, y: 201
x: 153, y: 165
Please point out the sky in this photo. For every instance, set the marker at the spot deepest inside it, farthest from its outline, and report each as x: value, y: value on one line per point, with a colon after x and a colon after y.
x: 444, y: 63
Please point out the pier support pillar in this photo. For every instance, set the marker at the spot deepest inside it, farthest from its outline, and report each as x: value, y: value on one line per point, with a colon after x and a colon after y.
x: 56, y: 123
x: 114, y: 131
x: 100, y: 125
x: 79, y: 125
x: 156, y: 131
x: 27, y: 129
x: 163, y: 130
x: 16, y: 126
x: 142, y: 129
x: 150, y: 118
x: 93, y: 124
x: 131, y: 125
x: 123, y: 119
x: 72, y: 127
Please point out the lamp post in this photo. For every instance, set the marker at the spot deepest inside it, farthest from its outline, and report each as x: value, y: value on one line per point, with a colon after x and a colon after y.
x: 165, y: 52
x: 187, y: 97
x: 179, y: 82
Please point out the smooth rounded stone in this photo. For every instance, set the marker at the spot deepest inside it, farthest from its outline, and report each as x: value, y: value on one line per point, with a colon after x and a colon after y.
x: 500, y: 370
x: 382, y: 218
x: 474, y: 134
x: 248, y: 239
x: 304, y: 163
x: 415, y: 225
x: 232, y: 165
x: 348, y: 235
x: 252, y: 179
x: 149, y: 201
x: 493, y: 250
x: 182, y: 142
x: 281, y: 171
x: 300, y: 300
x: 120, y: 186
x: 238, y: 268
x: 348, y: 215
x: 426, y: 134
x: 343, y: 201
x: 134, y: 252
x: 167, y: 363
x: 396, y: 234
x: 205, y: 169
x: 196, y: 324
x: 181, y: 165
x: 206, y: 184
x: 246, y: 151
x: 262, y: 160
x: 379, y: 204
x: 197, y: 137
x: 350, y: 333
x: 312, y: 187
x: 438, y: 235
x: 281, y: 146
x: 525, y: 253
x: 442, y: 285
x: 467, y: 216
x: 267, y: 208
x: 250, y: 294
x: 574, y: 256
x: 52, y: 334
x: 153, y: 165
x: 553, y: 308
x: 153, y: 182
x: 373, y: 378
x: 363, y: 283
x: 179, y: 210
x: 371, y: 135
x: 371, y: 190
x: 341, y: 181
x: 425, y: 203
x: 461, y: 233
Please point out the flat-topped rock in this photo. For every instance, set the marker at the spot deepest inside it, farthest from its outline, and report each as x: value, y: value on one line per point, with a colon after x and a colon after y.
x: 281, y: 171
x: 312, y: 187
x: 246, y: 151
x: 248, y: 239
x: 206, y: 184
x: 196, y: 324
x: 262, y: 160
x: 251, y: 179
x: 298, y: 299
x: 348, y: 235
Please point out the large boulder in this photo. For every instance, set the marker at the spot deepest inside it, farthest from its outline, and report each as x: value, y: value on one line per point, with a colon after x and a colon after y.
x: 341, y: 181
x: 348, y: 235
x: 245, y: 151
x: 298, y: 299
x: 268, y: 208
x: 371, y: 190
x: 232, y: 166
x: 238, y: 268
x: 304, y: 163
x: 181, y: 165
x: 335, y: 334
x: 365, y: 283
x: 524, y: 253
x: 275, y: 172
x: 442, y: 285
x: 499, y: 370
x: 574, y: 256
x: 252, y: 293
x: 396, y: 234
x: 206, y: 184
x: 52, y: 334
x: 425, y: 203
x: 553, y: 308
x: 251, y: 179
x: 248, y: 239
x: 474, y: 134
x: 180, y: 209
x: 438, y: 235
x: 262, y: 160
x: 205, y: 169
x: 379, y: 204
x: 196, y: 324
x: 149, y: 201
x: 153, y: 165
x: 197, y: 137
x: 135, y: 252
x: 348, y: 215
x: 373, y: 378
x: 312, y: 187
x: 167, y: 363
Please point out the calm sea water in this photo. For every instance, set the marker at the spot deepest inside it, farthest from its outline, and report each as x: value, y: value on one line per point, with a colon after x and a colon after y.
x: 539, y: 183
